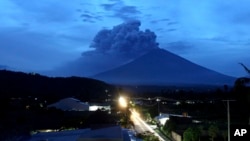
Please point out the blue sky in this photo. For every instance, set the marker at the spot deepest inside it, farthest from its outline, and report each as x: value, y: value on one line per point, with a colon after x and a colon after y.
x: 44, y: 34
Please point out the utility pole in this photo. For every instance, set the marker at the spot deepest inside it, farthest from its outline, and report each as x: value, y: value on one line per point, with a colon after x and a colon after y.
x: 228, y: 118
x: 158, y: 102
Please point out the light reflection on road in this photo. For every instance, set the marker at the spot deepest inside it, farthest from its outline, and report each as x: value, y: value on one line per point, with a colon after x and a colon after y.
x: 141, y: 126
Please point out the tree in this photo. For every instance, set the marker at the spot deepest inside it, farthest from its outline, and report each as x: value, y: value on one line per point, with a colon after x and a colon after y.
x: 196, y: 133
x: 147, y: 116
x: 213, y: 131
x: 169, y: 126
x: 243, y: 81
x: 187, y: 135
x: 241, y: 87
x: 191, y: 134
x: 246, y: 69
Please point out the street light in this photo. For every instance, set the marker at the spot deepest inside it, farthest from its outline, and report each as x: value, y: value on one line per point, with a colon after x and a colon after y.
x: 123, y: 102
x: 124, y: 117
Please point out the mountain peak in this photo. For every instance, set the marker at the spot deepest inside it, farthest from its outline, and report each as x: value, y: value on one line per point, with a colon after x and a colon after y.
x: 161, y: 67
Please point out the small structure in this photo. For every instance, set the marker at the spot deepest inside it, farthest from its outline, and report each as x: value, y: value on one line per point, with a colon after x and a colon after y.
x: 70, y: 104
x: 101, y: 106
x: 162, y: 118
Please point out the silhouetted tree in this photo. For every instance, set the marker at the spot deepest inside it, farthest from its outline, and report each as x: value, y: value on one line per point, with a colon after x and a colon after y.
x: 191, y: 134
x: 246, y: 69
x: 242, y: 84
x: 213, y: 131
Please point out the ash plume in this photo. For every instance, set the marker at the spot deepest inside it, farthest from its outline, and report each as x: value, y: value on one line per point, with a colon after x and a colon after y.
x: 125, y: 40
x: 112, y: 48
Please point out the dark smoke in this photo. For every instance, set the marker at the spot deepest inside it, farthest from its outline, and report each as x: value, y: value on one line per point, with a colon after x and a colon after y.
x: 125, y: 39
x: 112, y: 48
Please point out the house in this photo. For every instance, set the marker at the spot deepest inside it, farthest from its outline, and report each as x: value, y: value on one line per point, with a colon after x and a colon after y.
x: 162, y: 118
x: 70, y: 104
x: 101, y: 106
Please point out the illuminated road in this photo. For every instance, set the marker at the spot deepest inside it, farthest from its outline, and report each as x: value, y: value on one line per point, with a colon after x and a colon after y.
x: 141, y: 126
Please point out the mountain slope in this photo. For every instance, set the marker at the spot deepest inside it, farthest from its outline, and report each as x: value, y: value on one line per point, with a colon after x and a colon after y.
x: 160, y: 67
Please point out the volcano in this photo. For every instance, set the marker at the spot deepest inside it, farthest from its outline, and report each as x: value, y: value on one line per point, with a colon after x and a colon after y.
x: 161, y: 67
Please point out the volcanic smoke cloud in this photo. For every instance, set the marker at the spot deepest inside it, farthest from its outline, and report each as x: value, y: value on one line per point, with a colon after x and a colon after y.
x: 125, y: 39
x: 112, y: 48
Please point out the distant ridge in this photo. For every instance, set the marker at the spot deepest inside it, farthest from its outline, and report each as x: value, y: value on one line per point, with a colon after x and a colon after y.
x: 161, y: 67
x: 19, y: 84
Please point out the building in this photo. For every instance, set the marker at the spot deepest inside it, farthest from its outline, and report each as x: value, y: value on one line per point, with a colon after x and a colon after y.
x: 162, y: 118
x: 101, y: 106
x: 70, y: 104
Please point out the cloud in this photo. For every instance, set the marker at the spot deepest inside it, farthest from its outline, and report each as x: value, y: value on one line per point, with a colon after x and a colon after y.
x: 160, y: 20
x: 111, y: 48
x: 87, y: 17
x: 127, y: 13
x: 108, y: 7
x: 121, y: 10
x: 171, y: 29
x: 172, y: 23
x: 125, y: 39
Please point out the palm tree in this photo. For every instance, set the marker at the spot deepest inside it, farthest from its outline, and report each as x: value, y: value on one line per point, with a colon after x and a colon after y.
x: 242, y: 88
x: 246, y: 69
x: 242, y: 85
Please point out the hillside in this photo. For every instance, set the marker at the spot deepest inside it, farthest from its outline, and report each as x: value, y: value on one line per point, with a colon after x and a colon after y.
x: 160, y: 67
x: 18, y: 84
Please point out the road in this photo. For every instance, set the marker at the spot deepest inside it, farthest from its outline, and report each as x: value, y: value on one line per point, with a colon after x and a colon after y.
x: 141, y: 126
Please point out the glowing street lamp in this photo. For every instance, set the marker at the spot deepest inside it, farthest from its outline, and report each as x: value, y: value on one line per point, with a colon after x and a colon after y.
x: 123, y: 102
